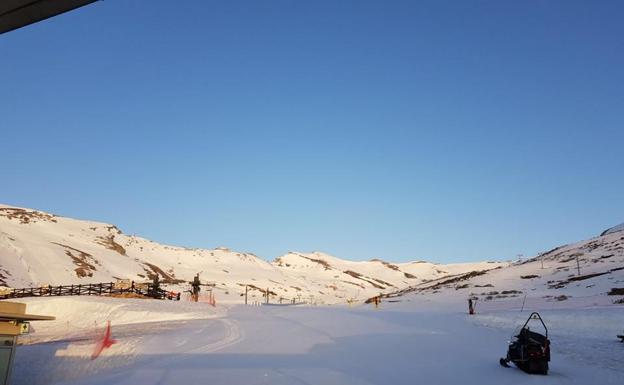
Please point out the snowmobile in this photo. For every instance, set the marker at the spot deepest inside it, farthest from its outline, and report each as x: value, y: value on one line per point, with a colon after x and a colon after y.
x: 529, y: 351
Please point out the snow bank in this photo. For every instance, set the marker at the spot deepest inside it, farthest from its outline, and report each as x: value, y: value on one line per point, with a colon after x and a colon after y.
x: 76, y: 315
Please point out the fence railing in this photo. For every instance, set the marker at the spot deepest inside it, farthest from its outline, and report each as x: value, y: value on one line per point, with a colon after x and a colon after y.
x: 107, y: 288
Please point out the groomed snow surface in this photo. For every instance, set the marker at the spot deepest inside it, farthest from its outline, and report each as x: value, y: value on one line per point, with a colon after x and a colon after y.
x: 410, y: 342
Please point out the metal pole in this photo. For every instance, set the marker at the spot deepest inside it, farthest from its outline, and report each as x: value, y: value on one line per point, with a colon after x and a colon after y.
x: 10, y: 358
x: 578, y: 265
x: 523, y: 303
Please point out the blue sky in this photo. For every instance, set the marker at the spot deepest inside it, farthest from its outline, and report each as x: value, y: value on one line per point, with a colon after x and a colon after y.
x: 439, y: 130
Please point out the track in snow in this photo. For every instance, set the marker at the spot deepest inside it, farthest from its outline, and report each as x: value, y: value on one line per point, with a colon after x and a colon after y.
x: 298, y: 345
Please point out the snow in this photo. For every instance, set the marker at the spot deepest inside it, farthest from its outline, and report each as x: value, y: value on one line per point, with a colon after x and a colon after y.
x: 39, y: 249
x: 400, y: 343
x: 61, y: 349
x: 420, y: 334
x: 613, y: 229
x: 549, y: 281
x: 78, y: 316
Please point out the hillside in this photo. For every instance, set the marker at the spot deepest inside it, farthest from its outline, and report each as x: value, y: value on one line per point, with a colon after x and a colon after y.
x: 38, y: 248
x: 613, y: 229
x: 590, y: 272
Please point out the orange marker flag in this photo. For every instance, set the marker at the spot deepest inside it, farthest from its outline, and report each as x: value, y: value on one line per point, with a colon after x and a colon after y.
x: 106, y: 342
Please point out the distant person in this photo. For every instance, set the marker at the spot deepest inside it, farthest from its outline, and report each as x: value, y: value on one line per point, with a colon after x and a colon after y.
x: 195, y: 288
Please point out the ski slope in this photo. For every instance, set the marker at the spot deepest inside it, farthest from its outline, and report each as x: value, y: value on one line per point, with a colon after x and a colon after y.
x: 400, y: 343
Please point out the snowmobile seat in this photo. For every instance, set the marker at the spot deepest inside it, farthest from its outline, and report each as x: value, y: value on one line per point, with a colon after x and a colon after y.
x: 527, y: 336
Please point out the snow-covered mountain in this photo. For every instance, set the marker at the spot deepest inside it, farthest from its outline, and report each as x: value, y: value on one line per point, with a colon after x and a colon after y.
x: 586, y: 272
x: 613, y: 229
x: 38, y: 248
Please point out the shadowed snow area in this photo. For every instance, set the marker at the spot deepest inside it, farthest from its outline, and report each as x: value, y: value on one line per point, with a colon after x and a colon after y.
x: 402, y: 343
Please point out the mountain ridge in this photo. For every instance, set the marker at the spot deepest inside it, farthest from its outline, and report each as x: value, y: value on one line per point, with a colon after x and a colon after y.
x: 38, y: 248
x: 613, y: 229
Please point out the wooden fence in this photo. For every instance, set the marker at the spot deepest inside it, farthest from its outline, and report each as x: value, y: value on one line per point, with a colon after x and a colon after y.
x: 109, y: 288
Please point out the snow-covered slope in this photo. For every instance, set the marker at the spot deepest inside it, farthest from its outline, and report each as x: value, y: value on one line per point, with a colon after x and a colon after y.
x: 351, y: 279
x: 613, y: 229
x: 588, y: 272
x: 398, y: 344
x: 37, y: 248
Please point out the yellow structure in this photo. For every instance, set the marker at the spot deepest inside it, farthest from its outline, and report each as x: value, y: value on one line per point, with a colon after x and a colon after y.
x: 13, y: 322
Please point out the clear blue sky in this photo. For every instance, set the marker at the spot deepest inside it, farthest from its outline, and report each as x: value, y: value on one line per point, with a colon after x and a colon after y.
x: 439, y: 130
